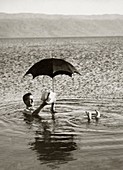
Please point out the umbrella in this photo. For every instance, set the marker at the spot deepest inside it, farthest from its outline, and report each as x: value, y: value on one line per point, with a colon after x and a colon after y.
x: 52, y: 67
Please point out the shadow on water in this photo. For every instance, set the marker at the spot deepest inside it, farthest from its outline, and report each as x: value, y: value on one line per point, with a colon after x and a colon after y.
x: 53, y: 148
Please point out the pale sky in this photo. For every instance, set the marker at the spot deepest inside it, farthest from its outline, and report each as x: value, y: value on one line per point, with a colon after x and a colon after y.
x: 66, y: 7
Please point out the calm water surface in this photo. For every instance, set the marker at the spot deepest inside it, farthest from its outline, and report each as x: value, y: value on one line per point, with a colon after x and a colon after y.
x: 69, y: 142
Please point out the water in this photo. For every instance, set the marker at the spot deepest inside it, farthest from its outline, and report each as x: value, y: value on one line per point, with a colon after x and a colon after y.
x: 99, y: 60
x: 68, y: 143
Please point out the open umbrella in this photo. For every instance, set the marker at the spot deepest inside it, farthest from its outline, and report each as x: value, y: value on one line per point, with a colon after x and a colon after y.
x: 52, y: 67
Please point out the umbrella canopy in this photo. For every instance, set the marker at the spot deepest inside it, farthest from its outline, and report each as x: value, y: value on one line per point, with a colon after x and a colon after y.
x: 52, y: 67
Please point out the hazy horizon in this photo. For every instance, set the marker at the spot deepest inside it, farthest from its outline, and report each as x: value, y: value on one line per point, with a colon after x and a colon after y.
x: 59, y: 14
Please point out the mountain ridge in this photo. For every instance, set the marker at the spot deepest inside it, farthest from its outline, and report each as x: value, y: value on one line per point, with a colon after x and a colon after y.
x: 44, y: 25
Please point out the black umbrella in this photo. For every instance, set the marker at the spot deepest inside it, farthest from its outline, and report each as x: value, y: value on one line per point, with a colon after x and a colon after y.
x: 52, y: 67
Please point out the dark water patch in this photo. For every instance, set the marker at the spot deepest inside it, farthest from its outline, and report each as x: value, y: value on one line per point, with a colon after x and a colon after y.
x: 53, y: 150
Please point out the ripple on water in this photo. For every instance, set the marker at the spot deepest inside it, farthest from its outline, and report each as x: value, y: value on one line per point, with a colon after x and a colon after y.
x: 70, y: 116
x: 67, y: 139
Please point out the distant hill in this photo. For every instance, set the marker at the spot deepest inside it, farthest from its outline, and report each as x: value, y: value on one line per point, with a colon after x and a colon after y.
x: 41, y: 25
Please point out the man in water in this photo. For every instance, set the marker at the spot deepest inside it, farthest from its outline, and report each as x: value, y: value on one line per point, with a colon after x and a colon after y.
x: 47, y: 98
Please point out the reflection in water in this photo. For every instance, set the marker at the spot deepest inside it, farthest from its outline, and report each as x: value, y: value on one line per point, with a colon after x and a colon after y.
x: 53, y: 143
x: 52, y: 148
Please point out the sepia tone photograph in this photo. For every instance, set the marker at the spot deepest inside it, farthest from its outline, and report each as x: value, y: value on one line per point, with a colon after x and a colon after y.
x: 61, y: 84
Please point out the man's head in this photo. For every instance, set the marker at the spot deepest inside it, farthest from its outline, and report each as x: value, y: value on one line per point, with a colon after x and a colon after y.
x: 28, y: 100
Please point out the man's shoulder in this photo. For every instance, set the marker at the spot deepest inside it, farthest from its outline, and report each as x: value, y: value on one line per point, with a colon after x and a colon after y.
x: 28, y: 111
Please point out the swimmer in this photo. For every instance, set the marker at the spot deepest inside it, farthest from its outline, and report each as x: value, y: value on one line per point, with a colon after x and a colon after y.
x: 47, y: 98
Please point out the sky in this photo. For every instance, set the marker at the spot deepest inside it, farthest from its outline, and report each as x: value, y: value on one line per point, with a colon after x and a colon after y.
x: 65, y: 7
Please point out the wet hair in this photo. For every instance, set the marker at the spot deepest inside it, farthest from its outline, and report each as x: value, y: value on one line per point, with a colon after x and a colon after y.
x: 26, y: 96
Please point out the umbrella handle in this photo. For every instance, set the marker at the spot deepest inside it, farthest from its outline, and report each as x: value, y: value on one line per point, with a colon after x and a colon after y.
x: 53, y: 85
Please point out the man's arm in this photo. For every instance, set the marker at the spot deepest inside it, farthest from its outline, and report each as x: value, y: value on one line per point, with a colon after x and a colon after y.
x: 35, y: 112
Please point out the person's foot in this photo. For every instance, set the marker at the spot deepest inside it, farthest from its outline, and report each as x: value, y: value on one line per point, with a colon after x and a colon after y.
x: 97, y: 115
x: 89, y: 115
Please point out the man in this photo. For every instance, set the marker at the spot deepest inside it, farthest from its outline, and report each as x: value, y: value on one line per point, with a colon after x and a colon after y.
x: 47, y: 98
